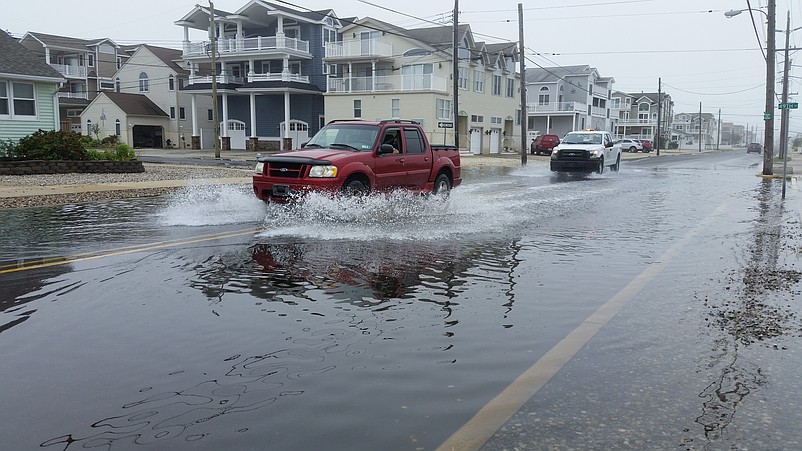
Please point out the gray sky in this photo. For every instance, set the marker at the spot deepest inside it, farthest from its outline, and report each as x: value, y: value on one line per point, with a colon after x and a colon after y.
x: 700, y: 55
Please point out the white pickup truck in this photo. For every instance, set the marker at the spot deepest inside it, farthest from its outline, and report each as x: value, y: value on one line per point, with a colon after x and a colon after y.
x: 586, y: 151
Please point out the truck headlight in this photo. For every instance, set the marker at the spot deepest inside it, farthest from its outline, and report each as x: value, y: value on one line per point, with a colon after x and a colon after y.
x: 260, y: 167
x: 323, y: 171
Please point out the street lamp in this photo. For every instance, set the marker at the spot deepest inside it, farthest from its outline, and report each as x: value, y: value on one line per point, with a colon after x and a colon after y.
x: 768, y: 114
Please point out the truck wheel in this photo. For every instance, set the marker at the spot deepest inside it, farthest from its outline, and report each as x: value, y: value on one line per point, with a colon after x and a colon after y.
x: 355, y: 188
x: 442, y: 186
x: 600, y: 169
x: 617, y: 164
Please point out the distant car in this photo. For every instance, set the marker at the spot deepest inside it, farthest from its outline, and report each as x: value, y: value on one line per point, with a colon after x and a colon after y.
x: 754, y: 147
x: 630, y: 145
x: 544, y: 144
x: 647, y: 145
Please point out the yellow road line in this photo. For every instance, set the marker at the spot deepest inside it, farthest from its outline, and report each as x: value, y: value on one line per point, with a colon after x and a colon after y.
x: 55, y: 261
x: 479, y: 429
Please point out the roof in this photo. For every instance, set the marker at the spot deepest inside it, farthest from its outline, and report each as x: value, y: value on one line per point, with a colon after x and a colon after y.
x: 170, y: 57
x: 552, y: 74
x: 16, y: 59
x: 64, y: 41
x: 134, y: 104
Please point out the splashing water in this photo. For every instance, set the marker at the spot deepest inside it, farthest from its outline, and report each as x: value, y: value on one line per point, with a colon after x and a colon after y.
x: 199, y: 205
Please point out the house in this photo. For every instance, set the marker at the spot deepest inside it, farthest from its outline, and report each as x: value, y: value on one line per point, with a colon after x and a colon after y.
x: 561, y: 99
x: 269, y: 71
x: 689, y: 128
x: 28, y: 87
x: 377, y: 70
x: 637, y: 115
x: 165, y: 116
x: 87, y: 64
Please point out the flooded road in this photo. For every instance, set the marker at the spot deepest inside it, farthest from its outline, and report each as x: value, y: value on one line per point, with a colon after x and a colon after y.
x: 208, y: 320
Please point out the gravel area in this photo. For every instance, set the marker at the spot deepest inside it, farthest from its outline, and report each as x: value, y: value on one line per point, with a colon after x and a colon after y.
x: 157, y: 172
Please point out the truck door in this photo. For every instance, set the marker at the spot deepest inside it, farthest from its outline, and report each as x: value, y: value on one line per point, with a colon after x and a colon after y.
x: 417, y: 159
x: 389, y: 167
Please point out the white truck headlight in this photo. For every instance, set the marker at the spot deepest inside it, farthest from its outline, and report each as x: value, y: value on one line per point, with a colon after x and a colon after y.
x: 323, y: 171
x: 260, y: 167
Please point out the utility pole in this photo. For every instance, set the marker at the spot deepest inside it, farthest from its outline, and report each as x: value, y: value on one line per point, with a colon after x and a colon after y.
x: 768, y: 114
x: 700, y: 126
x: 718, y: 130
x: 215, y: 114
x: 455, y: 75
x: 524, y: 116
x: 659, y: 111
x: 784, y: 113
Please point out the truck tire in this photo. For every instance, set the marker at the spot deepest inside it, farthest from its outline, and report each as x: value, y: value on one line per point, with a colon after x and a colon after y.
x: 617, y: 164
x: 355, y: 188
x: 442, y: 186
x: 600, y: 169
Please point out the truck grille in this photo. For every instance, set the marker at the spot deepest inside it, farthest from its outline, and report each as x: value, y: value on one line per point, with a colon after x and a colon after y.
x: 573, y: 154
x: 285, y: 170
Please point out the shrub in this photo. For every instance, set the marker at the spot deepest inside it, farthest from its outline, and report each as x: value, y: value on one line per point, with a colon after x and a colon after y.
x: 8, y: 149
x: 121, y: 153
x: 52, y: 145
x: 673, y: 145
x: 111, y: 139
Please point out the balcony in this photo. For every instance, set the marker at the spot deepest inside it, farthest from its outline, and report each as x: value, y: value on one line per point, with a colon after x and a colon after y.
x: 247, y: 46
x: 389, y: 83
x: 251, y: 78
x: 638, y: 122
x: 70, y: 71
x: 73, y: 95
x: 600, y: 91
x: 556, y: 107
x: 368, y: 48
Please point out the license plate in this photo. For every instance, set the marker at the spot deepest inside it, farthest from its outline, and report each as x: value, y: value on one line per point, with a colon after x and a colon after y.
x: 281, y: 190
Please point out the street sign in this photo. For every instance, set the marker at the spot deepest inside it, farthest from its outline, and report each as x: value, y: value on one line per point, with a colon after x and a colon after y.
x: 767, y: 116
x: 445, y: 124
x: 789, y: 106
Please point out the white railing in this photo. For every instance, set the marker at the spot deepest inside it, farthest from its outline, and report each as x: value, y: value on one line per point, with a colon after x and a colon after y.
x: 638, y: 122
x: 70, y: 71
x: 389, y: 83
x: 73, y: 95
x: 248, y: 45
x: 350, y: 49
x: 278, y: 77
x: 222, y: 79
x: 555, y: 107
x: 598, y: 111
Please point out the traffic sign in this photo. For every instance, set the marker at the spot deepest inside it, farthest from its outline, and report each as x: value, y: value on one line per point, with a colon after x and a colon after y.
x: 789, y: 106
x: 445, y: 124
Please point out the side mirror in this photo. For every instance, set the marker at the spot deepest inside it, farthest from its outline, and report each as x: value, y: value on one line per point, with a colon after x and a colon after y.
x: 304, y: 144
x: 385, y: 148
x: 609, y: 144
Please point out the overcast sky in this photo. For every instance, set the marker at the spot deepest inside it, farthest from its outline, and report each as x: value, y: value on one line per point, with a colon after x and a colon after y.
x: 700, y: 55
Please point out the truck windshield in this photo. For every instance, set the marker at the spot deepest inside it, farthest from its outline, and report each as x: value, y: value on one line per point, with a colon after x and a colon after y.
x: 582, y: 138
x: 361, y: 137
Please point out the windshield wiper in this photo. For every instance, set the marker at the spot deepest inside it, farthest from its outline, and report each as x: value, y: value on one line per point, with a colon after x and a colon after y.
x: 347, y: 146
x: 312, y: 145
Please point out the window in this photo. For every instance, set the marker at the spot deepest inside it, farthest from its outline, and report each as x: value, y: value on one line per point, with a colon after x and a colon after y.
x: 464, y: 73
x: 143, y: 82
x: 88, y: 127
x: 182, y: 113
x: 443, y: 109
x: 74, y: 113
x: 477, y: 118
x: 495, y: 120
x: 510, y: 87
x: 117, y: 84
x: 543, y: 98
x: 119, y: 62
x: 517, y: 117
x: 615, y: 103
x: 413, y: 141
x: 4, y: 111
x: 496, y: 85
x: 210, y: 114
x: 91, y: 60
x: 117, y: 128
x: 22, y: 101
x: 395, y: 108
x: 478, y: 81
x: 172, y: 112
x: 416, y: 52
x: 417, y: 76
x: 357, y: 108
x: 171, y: 83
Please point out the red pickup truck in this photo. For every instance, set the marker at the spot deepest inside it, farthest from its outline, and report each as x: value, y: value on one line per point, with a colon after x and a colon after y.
x: 358, y: 157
